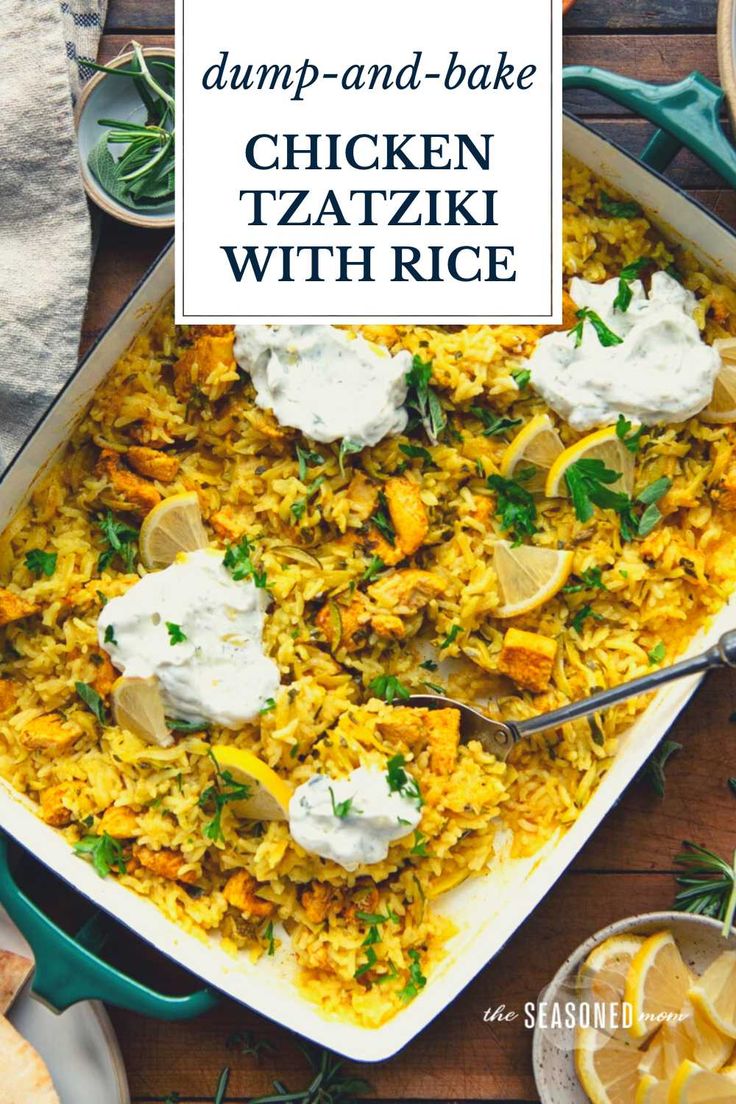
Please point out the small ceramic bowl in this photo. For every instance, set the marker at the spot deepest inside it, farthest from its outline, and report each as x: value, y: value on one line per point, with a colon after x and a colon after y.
x: 107, y: 97
x: 700, y: 940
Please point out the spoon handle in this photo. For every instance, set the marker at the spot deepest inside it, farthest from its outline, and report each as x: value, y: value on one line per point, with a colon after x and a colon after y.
x: 722, y: 654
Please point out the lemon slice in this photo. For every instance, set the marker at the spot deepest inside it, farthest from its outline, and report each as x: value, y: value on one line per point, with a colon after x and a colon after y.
x: 528, y: 576
x: 722, y: 407
x: 537, y: 445
x: 715, y: 993
x: 657, y: 983
x: 172, y: 526
x: 607, y: 1068
x: 691, y: 1036
x: 137, y: 706
x: 694, y: 1085
x: 602, y: 976
x: 651, y: 1091
x: 603, y: 445
x: 269, y: 795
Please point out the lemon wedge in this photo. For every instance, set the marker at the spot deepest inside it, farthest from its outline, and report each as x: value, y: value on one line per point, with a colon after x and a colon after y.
x: 603, y: 445
x: 656, y: 984
x: 694, y: 1085
x: 602, y: 976
x: 269, y: 795
x: 137, y: 706
x: 651, y: 1091
x: 174, y: 525
x: 690, y: 1035
x: 714, y: 994
x: 722, y: 407
x: 537, y: 446
x: 607, y: 1067
x: 528, y: 576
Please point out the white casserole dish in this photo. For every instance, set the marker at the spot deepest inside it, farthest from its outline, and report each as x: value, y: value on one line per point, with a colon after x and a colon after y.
x: 488, y: 910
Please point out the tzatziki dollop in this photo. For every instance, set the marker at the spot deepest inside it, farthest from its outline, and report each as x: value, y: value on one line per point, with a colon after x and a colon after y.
x: 199, y: 632
x: 351, y: 820
x: 325, y: 382
x: 661, y: 372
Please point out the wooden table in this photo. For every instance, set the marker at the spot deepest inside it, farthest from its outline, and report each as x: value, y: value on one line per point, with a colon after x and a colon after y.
x: 627, y: 866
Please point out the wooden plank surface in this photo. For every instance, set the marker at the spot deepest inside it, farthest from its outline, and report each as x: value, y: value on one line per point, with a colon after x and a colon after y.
x: 627, y: 866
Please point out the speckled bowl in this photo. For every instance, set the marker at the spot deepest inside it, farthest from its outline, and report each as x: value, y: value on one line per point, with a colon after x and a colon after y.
x: 700, y: 942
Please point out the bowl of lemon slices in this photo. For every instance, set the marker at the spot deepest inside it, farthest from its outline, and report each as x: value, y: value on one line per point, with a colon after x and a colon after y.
x: 643, y: 1012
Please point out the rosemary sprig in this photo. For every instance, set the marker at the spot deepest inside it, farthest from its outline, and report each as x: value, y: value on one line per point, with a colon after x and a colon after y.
x: 708, y: 884
x: 330, y: 1085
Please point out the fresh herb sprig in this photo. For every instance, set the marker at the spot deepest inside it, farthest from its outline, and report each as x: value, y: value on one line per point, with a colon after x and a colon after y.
x: 41, y: 563
x: 400, y: 782
x: 627, y: 435
x: 382, y: 520
x: 494, y: 425
x: 515, y: 506
x: 104, y: 852
x: 617, y: 208
x: 626, y: 277
x: 707, y: 884
x: 422, y: 400
x: 223, y: 790
x: 92, y: 700
x: 238, y: 560
x: 605, y: 335
x: 143, y: 174
x: 388, y: 687
x: 120, y: 539
x: 330, y: 1083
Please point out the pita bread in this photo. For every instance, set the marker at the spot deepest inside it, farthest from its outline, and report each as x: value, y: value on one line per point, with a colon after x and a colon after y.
x: 14, y: 969
x: 24, y: 1078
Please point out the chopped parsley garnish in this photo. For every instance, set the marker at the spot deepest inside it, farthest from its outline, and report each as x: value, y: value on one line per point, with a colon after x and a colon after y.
x: 388, y: 687
x: 377, y: 917
x: 238, y: 561
x: 382, y: 520
x: 110, y: 635
x: 494, y: 424
x: 419, y: 848
x: 299, y: 507
x: 588, y: 481
x: 422, y: 400
x: 649, y: 498
x: 451, y: 637
x: 268, y: 707
x: 176, y: 633
x: 92, y: 700
x: 617, y: 208
x: 120, y: 538
x: 41, y: 563
x: 605, y: 335
x: 521, y: 378
x: 582, y: 616
x: 104, y: 852
x: 590, y: 579
x: 435, y: 688
x: 372, y: 936
x: 269, y: 937
x: 632, y: 440
x: 416, y: 981
x: 176, y: 724
x: 307, y: 459
x: 400, y: 782
x: 347, y: 448
x: 371, y: 958
x: 515, y: 506
x: 627, y: 275
x: 374, y: 568
x: 429, y: 665
x: 223, y: 790
x: 658, y: 652
x: 342, y: 809
x: 416, y: 452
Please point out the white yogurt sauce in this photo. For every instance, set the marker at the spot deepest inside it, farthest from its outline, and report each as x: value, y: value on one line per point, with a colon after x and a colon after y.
x: 376, y: 817
x: 662, y: 371
x: 219, y: 672
x: 324, y: 382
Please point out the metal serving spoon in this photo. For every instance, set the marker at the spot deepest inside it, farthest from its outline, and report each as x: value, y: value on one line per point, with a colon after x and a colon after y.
x: 499, y: 737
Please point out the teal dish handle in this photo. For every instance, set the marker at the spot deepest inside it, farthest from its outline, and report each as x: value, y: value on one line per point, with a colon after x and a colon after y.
x: 687, y: 113
x: 68, y: 971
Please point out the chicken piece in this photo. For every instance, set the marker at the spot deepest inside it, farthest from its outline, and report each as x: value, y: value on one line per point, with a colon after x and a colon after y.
x: 362, y: 496
x: 119, y: 821
x: 54, y: 808
x: 408, y: 513
x: 364, y: 898
x: 50, y: 731
x: 404, y: 725
x: 105, y: 676
x: 8, y: 691
x: 342, y: 625
x: 527, y: 658
x: 166, y: 863
x: 239, y: 892
x: 377, y: 545
x: 13, y: 607
x: 319, y: 899
x: 724, y: 493
x: 406, y: 592
x: 227, y: 525
x: 443, y: 739
x: 387, y: 624
x: 138, y: 494
x: 152, y: 463
x: 208, y: 365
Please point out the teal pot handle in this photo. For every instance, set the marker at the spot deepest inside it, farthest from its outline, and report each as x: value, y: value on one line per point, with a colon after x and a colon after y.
x: 68, y: 971
x: 687, y: 113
